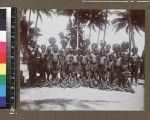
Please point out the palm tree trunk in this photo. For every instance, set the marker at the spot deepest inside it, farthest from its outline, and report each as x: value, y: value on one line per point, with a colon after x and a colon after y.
x: 130, y: 32
x: 29, y: 19
x: 132, y: 38
x: 77, y: 32
x: 69, y: 40
x: 98, y: 35
x: 37, y: 17
x: 90, y: 33
x: 105, y: 25
x: 35, y: 30
x: 29, y: 15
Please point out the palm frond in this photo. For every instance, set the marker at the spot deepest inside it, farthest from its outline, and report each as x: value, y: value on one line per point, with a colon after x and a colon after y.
x: 137, y: 29
x: 120, y: 26
x: 117, y: 20
x: 127, y: 29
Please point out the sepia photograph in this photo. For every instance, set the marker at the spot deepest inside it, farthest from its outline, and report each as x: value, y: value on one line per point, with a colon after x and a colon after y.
x: 82, y: 59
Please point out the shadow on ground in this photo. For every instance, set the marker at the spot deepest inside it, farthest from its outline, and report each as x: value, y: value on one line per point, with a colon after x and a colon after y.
x: 63, y: 104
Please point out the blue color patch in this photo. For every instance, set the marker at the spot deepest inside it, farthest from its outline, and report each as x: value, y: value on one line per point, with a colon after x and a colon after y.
x: 2, y: 90
x: 2, y: 101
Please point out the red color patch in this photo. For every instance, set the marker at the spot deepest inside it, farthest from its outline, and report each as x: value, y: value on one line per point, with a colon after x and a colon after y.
x: 2, y: 57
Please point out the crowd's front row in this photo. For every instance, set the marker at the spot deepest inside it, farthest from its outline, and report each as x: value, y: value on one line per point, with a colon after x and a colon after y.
x: 96, y: 68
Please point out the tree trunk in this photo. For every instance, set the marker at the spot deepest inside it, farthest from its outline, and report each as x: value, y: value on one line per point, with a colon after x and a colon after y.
x: 69, y: 40
x: 131, y: 33
x: 105, y: 25
x: 37, y: 17
x: 132, y: 38
x: 90, y: 34
x: 30, y: 15
x: 98, y: 35
x: 77, y: 32
x: 35, y: 30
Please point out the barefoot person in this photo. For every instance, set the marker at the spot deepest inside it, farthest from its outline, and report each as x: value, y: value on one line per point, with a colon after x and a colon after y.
x: 55, y: 65
x: 93, y: 61
x: 125, y: 81
x: 62, y: 56
x: 32, y: 64
x: 42, y: 63
x: 84, y: 70
x: 117, y: 68
x: 135, y: 60
x: 101, y: 68
x: 110, y: 68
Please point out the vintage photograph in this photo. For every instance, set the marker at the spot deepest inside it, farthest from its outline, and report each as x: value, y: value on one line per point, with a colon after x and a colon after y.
x: 82, y: 59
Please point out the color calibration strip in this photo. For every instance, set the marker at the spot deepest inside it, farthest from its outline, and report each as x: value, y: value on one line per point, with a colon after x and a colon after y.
x: 3, y: 56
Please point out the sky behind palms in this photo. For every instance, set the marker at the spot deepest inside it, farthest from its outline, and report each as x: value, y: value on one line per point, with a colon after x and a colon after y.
x: 50, y: 27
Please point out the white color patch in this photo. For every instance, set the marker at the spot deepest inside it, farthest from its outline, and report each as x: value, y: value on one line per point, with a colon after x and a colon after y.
x: 2, y: 36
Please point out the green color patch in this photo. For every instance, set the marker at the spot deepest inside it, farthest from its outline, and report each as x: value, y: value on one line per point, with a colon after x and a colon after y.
x: 2, y: 80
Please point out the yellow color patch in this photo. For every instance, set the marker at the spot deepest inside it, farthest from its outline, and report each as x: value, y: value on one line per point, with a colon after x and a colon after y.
x: 2, y: 69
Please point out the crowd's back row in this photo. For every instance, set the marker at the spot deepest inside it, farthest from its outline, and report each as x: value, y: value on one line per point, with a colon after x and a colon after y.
x: 98, y: 63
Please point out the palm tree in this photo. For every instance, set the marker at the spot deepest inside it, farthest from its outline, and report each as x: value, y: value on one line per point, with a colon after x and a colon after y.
x: 27, y: 33
x: 41, y: 12
x: 106, y: 15
x: 131, y: 21
x: 72, y: 35
x: 24, y: 11
x: 79, y: 19
x: 23, y: 37
x: 95, y: 18
x: 102, y: 23
x: 39, y: 15
x: 92, y: 19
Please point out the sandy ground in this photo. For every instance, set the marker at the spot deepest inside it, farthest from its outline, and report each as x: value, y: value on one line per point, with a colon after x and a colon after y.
x: 81, y: 98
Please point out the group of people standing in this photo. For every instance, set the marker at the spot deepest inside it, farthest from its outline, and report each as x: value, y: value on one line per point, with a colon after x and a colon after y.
x: 93, y: 65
